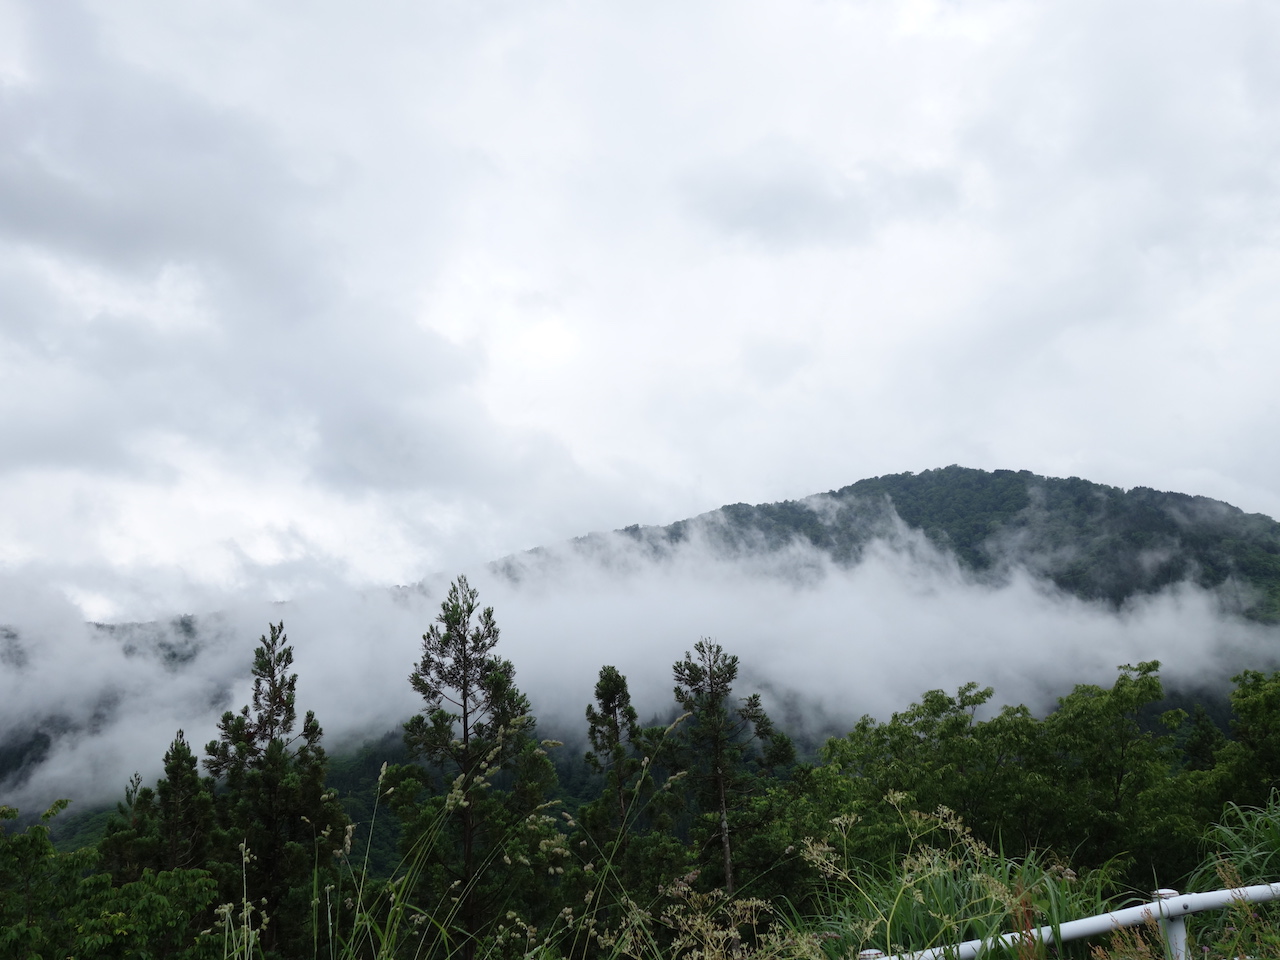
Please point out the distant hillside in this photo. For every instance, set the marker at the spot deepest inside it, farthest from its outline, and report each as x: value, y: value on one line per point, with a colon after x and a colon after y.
x: 1094, y: 541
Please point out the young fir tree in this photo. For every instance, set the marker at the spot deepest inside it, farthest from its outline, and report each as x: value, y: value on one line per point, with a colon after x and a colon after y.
x: 614, y: 731
x: 630, y: 826
x: 184, y: 809
x: 276, y: 824
x: 165, y: 828
x: 130, y: 843
x: 482, y: 837
x: 718, y: 736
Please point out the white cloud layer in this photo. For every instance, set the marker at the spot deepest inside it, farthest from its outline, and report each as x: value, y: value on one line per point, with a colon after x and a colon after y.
x: 826, y: 644
x: 299, y: 301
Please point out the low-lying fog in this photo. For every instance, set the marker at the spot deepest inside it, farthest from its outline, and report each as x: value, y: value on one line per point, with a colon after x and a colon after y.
x: 826, y: 644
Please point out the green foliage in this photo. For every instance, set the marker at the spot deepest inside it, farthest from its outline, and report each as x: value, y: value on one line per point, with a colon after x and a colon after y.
x: 52, y: 905
x: 80, y: 828
x: 156, y: 916
x: 1200, y: 740
x: 1247, y: 838
x: 1112, y: 764
x: 130, y: 843
x: 166, y: 828
x: 626, y: 839
x: 1000, y: 775
x: 613, y: 730
x: 476, y: 732
x: 357, y: 777
x: 1251, y: 764
x: 951, y: 820
x: 1241, y: 848
x: 956, y: 507
x: 1088, y: 781
x: 716, y: 743
x: 38, y: 888
x: 631, y: 808
x: 946, y: 887
x: 276, y: 825
x: 1094, y: 541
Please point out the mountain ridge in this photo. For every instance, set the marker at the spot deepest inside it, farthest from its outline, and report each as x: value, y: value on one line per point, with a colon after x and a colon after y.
x: 1101, y: 543
x: 1092, y: 540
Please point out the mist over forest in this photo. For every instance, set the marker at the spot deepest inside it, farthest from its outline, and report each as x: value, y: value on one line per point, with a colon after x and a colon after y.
x: 842, y: 604
x: 308, y: 313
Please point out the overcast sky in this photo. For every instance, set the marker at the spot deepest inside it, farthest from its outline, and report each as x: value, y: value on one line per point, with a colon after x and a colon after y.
x: 300, y: 292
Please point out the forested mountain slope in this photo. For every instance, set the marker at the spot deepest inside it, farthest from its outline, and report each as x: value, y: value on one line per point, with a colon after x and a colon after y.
x: 712, y: 798
x: 1094, y: 541
x: 1099, y: 543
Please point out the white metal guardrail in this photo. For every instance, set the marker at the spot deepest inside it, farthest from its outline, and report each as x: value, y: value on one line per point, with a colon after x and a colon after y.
x: 1169, y: 909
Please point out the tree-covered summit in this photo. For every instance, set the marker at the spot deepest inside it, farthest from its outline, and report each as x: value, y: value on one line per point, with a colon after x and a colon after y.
x: 1095, y: 541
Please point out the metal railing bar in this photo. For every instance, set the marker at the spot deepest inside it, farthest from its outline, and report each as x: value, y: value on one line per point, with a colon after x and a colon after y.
x: 1169, y: 909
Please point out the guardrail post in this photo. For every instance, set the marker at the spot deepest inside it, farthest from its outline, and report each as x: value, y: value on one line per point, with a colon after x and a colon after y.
x: 1173, y: 928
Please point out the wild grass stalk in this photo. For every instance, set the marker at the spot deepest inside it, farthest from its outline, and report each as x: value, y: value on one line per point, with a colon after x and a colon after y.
x: 949, y: 887
x: 241, y: 938
x: 1242, y: 848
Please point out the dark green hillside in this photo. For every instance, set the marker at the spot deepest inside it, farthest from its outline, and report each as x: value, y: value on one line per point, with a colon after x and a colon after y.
x: 957, y: 507
x: 1094, y: 541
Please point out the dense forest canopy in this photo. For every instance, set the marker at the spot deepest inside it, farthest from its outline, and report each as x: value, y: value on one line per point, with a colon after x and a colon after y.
x: 680, y: 835
x: 1092, y: 540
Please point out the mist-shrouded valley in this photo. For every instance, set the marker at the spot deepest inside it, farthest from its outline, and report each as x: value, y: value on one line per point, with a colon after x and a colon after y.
x: 841, y: 604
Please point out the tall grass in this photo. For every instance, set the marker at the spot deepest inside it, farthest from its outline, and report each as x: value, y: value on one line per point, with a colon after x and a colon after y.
x: 947, y: 888
x: 364, y: 919
x: 1242, y: 848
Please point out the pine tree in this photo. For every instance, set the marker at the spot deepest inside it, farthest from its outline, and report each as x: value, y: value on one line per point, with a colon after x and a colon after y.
x: 130, y: 843
x: 613, y: 729
x: 476, y: 730
x: 719, y: 734
x: 184, y: 809
x: 630, y: 826
x: 167, y: 827
x: 277, y: 825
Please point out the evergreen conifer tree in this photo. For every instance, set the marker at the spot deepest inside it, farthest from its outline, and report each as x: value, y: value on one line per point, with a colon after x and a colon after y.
x: 184, y: 809
x: 165, y: 828
x: 476, y: 731
x: 719, y: 734
x: 613, y: 729
x: 277, y: 825
x: 130, y: 842
x: 631, y: 825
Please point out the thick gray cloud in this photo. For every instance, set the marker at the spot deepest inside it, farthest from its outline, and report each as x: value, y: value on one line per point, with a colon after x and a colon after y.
x: 303, y: 301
